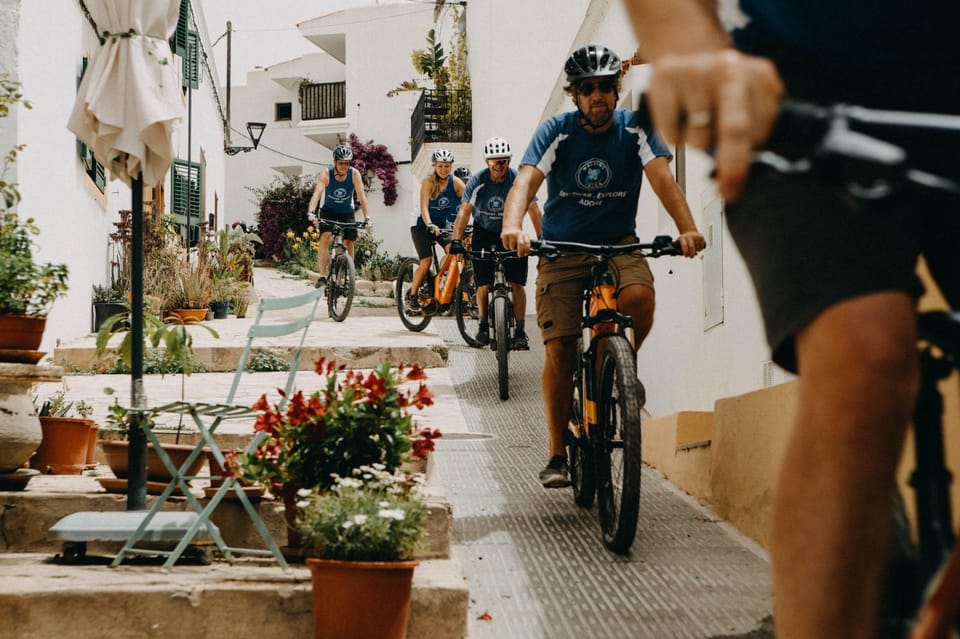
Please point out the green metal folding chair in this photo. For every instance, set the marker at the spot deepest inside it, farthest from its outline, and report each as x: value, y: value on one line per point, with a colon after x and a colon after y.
x: 207, y: 417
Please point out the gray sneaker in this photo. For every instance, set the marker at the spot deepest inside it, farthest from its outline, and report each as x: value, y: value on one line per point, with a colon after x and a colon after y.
x: 556, y: 474
x: 520, y: 341
x: 321, y: 282
x: 411, y: 305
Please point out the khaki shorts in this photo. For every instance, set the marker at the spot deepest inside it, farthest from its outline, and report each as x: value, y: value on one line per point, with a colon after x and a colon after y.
x: 560, y: 287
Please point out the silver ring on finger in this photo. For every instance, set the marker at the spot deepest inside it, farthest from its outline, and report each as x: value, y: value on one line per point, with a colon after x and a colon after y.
x: 699, y: 119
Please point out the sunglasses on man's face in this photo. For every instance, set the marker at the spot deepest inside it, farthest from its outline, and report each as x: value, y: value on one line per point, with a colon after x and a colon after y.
x: 586, y: 88
x: 501, y: 161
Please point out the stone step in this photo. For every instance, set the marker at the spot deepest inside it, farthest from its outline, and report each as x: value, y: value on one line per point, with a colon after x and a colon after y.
x: 28, y: 515
x: 248, y: 600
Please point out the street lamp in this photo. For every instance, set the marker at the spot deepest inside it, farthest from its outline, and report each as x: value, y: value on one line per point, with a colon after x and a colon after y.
x: 255, y: 131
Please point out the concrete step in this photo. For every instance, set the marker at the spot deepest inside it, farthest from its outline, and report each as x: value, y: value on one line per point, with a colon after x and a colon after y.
x: 26, y: 516
x: 248, y: 600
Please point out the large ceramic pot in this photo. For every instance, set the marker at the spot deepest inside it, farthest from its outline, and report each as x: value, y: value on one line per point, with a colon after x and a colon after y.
x: 21, y: 332
x: 63, y: 449
x: 188, y: 315
x: 20, y: 432
x: 360, y: 598
x: 116, y: 453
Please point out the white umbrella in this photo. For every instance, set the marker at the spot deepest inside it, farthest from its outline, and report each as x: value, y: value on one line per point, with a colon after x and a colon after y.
x: 127, y: 105
x: 130, y: 98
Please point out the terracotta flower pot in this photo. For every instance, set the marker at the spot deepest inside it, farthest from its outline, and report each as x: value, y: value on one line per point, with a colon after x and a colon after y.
x: 63, y: 450
x: 188, y: 315
x: 116, y: 454
x: 360, y: 598
x: 20, y: 332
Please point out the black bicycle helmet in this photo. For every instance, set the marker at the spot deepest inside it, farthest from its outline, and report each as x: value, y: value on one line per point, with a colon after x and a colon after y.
x: 592, y: 61
x: 462, y: 172
x: 342, y: 152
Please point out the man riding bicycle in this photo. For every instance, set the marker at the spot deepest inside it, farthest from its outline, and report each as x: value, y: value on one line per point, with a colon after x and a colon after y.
x: 483, y: 199
x: 337, y: 186
x: 835, y: 281
x: 594, y: 160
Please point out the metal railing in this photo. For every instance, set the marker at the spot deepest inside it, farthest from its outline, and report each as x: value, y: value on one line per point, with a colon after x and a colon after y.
x: 441, y: 116
x: 323, y: 101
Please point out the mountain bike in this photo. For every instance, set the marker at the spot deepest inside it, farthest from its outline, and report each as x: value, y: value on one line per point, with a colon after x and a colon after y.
x: 341, y: 276
x: 603, y: 439
x: 450, y: 285
x: 859, y: 152
x: 500, y: 314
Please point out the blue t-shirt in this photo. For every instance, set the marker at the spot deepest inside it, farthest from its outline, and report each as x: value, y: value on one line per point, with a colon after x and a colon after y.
x: 443, y: 209
x: 593, y: 181
x: 881, y: 53
x: 338, y: 196
x: 487, y: 198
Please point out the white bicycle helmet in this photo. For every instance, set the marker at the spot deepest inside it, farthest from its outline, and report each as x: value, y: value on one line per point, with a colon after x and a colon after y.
x: 342, y: 152
x: 442, y: 155
x: 496, y: 148
x: 592, y: 61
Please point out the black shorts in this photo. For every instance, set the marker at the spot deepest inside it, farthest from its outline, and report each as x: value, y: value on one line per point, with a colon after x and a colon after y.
x: 423, y: 240
x: 349, y: 233
x: 515, y: 270
x: 808, y: 247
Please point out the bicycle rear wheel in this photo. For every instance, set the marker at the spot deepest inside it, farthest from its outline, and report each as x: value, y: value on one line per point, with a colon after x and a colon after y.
x: 583, y: 470
x: 340, y: 287
x: 501, y: 317
x: 413, y: 322
x: 616, y: 443
x: 465, y: 307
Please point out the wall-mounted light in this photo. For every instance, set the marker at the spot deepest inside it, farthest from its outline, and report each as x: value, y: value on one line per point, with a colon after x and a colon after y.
x: 255, y: 131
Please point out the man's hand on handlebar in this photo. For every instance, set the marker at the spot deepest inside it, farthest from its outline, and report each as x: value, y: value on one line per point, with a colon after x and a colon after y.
x: 691, y: 243
x: 720, y: 99
x: 515, y: 239
x: 456, y: 247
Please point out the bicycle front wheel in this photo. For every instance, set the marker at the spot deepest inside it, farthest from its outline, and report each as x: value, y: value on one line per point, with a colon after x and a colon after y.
x: 465, y: 307
x: 501, y: 317
x: 583, y: 473
x: 616, y: 442
x: 417, y: 320
x: 340, y: 287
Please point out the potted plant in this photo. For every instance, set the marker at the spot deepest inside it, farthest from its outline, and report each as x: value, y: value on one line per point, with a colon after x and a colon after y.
x: 361, y: 535
x: 27, y: 288
x: 65, y: 447
x: 177, y: 353
x: 107, y: 301
x: 192, y: 293
x: 352, y: 420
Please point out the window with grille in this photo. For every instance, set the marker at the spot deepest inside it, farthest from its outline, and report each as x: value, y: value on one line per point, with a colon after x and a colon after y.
x: 91, y: 166
x: 186, y: 199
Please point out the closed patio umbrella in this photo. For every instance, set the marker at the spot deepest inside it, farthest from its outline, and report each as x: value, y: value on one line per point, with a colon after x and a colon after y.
x: 127, y: 105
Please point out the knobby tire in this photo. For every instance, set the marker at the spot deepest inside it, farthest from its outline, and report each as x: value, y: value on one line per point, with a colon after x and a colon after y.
x: 465, y: 307
x: 616, y: 443
x: 583, y: 470
x: 415, y: 323
x: 340, y: 287
x: 501, y: 319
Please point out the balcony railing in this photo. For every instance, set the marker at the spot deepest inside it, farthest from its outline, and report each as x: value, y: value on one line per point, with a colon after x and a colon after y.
x: 441, y: 116
x: 323, y: 101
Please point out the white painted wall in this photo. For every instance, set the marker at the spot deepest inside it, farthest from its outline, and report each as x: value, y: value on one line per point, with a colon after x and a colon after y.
x: 74, y: 217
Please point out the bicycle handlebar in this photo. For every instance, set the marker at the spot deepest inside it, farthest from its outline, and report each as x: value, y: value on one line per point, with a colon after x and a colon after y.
x: 491, y: 254
x: 850, y: 145
x: 661, y: 245
x: 337, y: 225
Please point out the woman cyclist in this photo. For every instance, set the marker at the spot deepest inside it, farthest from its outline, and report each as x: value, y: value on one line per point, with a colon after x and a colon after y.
x: 440, y: 195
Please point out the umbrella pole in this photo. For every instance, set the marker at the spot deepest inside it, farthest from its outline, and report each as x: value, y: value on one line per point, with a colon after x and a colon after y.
x: 137, y: 451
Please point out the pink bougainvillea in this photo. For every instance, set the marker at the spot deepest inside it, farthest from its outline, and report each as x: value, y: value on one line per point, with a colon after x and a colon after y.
x: 376, y: 158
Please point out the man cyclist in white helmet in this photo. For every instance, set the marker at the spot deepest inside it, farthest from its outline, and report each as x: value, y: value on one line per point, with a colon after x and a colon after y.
x: 594, y: 160
x: 484, y: 199
x: 337, y: 186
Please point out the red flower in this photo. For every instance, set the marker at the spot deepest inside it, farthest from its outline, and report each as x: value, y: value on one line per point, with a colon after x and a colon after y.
x: 423, y: 397
x: 416, y: 373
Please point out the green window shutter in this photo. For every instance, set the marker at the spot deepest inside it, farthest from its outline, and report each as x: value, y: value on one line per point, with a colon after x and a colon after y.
x: 191, y: 62
x: 186, y: 188
x: 94, y: 170
x: 178, y: 43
